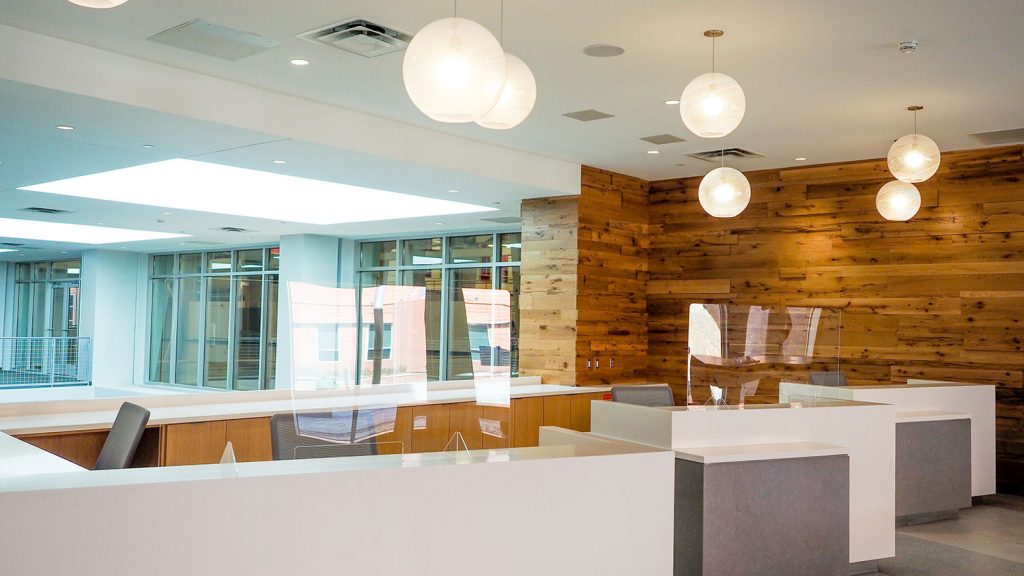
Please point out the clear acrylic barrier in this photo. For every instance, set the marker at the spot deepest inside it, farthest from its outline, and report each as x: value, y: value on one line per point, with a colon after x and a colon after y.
x: 739, y: 353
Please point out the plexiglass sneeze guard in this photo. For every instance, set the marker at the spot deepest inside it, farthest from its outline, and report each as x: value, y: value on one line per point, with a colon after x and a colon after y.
x: 739, y: 351
x: 387, y: 341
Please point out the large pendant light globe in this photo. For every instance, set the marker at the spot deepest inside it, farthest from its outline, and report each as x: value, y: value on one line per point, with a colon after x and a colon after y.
x: 712, y: 105
x: 914, y: 158
x: 454, y: 70
x: 898, y: 201
x: 517, y: 99
x: 724, y: 192
x: 98, y: 3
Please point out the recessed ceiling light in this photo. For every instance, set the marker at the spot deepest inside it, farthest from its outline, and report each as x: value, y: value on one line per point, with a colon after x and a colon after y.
x: 654, y: 151
x: 439, y: 223
x: 300, y: 62
x: 77, y: 233
x: 280, y: 161
x: 453, y: 191
x: 800, y: 158
x: 205, y: 187
x: 671, y: 102
x: 167, y: 213
x: 601, y: 50
x: 64, y: 127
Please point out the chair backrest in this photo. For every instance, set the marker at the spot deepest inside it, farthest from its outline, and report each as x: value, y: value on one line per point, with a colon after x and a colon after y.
x: 644, y: 395
x: 120, y: 445
x: 828, y: 379
x: 317, y: 435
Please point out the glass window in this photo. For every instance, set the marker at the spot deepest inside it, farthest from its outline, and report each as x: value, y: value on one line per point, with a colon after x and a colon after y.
x: 508, y: 281
x: 421, y: 320
x: 190, y: 263
x: 249, y: 261
x: 66, y: 270
x: 471, y: 249
x: 40, y: 270
x: 378, y: 254
x: 189, y: 330
x: 163, y: 265
x: 422, y: 252
x: 218, y: 262
x: 479, y: 325
x: 162, y: 299
x: 23, y: 296
x: 218, y: 317
x: 23, y: 269
x: 511, y: 247
x: 270, y: 325
x: 248, y: 329
x: 224, y: 334
x: 274, y: 262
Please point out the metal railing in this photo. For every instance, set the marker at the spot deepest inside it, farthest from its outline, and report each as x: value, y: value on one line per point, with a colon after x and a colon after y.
x: 45, y: 362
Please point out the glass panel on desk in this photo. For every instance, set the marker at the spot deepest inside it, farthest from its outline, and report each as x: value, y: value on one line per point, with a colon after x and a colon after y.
x: 479, y: 326
x: 747, y: 350
x: 339, y: 433
x: 323, y: 336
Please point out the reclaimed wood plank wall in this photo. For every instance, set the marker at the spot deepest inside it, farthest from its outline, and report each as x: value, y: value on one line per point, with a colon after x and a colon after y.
x: 611, y: 299
x: 938, y: 297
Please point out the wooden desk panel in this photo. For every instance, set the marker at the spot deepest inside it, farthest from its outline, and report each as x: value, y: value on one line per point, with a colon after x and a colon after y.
x: 194, y: 443
x: 430, y: 427
x: 83, y: 448
x: 527, y: 415
x: 250, y: 439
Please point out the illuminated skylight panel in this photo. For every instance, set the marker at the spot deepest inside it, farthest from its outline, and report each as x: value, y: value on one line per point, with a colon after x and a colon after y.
x: 75, y: 233
x: 205, y: 187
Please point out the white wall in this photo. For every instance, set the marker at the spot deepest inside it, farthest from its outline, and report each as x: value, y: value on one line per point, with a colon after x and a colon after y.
x: 304, y: 258
x: 110, y: 313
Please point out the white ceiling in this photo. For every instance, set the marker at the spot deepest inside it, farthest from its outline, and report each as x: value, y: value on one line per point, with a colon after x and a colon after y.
x: 823, y: 80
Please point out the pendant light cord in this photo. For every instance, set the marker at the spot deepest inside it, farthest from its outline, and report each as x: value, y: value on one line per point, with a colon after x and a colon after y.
x: 712, y: 54
x: 915, y: 121
x: 501, y: 25
x: 455, y: 10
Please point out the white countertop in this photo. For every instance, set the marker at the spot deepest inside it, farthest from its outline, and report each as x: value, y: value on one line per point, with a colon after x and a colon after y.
x: 929, y: 416
x: 20, y: 459
x: 752, y: 452
x: 48, y: 417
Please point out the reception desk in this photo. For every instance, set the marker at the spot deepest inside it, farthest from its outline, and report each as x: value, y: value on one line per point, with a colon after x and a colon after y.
x: 505, y: 512
x: 188, y: 429
x: 925, y: 400
x: 864, y: 431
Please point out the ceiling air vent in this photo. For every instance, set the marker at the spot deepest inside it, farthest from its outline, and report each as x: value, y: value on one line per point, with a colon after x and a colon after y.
x: 39, y: 210
x: 1014, y: 136
x: 662, y: 139
x: 587, y: 115
x: 716, y: 155
x: 232, y: 229
x: 360, y: 37
x: 214, y: 40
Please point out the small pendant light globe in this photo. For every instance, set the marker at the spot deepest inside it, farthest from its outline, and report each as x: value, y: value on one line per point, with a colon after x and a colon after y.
x: 98, y: 3
x: 712, y: 105
x: 454, y: 70
x: 914, y: 158
x: 898, y: 201
x: 517, y: 99
x: 724, y: 192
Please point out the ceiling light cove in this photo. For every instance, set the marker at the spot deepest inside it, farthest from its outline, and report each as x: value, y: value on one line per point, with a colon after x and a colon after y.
x: 76, y: 233
x: 205, y: 187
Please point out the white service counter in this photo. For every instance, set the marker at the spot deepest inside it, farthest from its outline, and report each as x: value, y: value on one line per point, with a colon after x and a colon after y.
x: 925, y: 400
x: 865, y: 431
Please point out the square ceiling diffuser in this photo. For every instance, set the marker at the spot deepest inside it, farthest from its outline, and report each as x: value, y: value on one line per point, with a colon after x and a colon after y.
x: 214, y: 40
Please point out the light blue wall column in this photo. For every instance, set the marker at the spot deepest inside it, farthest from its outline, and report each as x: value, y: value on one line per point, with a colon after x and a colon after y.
x: 304, y: 258
x: 110, y: 314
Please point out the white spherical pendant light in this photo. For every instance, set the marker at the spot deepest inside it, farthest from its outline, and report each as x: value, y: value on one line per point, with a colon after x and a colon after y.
x: 98, y: 3
x: 724, y: 192
x: 712, y: 105
x: 454, y: 70
x: 517, y: 99
x: 914, y: 158
x: 898, y: 201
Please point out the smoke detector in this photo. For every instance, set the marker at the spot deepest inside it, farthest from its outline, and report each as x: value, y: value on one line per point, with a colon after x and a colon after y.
x: 907, y: 46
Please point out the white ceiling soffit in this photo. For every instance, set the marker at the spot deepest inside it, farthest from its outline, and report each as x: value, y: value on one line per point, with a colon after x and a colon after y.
x: 60, y: 65
x: 823, y: 79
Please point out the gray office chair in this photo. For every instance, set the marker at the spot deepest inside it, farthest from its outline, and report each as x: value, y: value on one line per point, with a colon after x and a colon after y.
x: 644, y: 395
x: 318, y: 435
x: 123, y: 439
x: 828, y: 379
